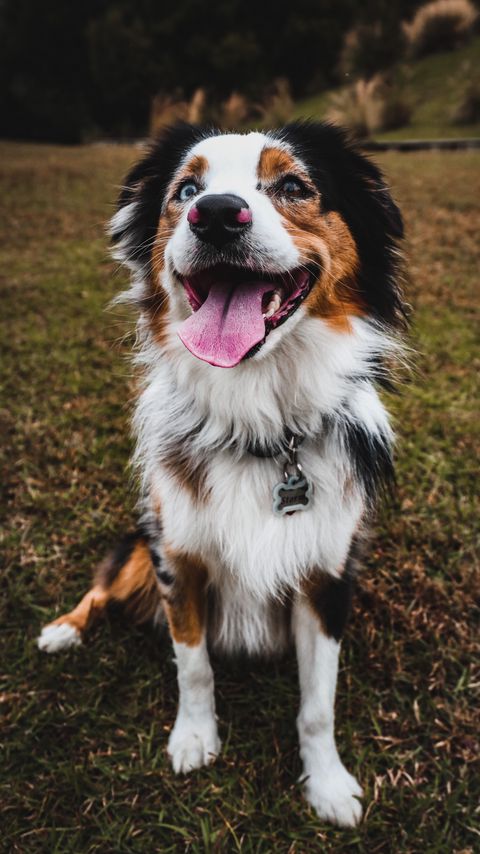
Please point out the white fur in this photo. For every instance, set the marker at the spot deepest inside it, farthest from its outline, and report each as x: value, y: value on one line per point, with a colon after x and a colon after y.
x: 330, y: 789
x: 305, y: 377
x: 194, y: 739
x: 57, y: 637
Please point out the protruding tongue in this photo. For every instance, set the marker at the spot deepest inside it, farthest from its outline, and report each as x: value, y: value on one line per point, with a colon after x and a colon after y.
x: 228, y: 324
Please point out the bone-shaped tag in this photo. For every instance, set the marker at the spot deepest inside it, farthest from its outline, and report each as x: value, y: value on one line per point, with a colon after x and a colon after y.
x: 291, y: 495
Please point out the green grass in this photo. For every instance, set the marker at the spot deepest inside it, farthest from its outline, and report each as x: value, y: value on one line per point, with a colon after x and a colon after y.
x: 432, y: 86
x: 83, y: 735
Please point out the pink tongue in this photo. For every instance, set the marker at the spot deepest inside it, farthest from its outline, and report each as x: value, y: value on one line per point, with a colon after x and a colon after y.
x: 228, y: 324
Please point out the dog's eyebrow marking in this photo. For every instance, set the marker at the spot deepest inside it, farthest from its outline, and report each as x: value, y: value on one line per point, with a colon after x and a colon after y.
x: 196, y: 167
x: 274, y: 162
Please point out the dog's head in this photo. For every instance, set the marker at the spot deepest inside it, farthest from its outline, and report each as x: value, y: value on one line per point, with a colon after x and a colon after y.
x: 236, y: 237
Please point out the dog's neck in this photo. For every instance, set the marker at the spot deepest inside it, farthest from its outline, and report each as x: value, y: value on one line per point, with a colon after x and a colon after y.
x: 313, y: 373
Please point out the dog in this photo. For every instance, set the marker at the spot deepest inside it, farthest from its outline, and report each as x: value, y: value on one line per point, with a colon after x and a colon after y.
x: 266, y: 272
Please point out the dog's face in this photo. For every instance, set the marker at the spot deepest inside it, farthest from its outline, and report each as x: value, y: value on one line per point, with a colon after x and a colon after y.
x: 238, y: 237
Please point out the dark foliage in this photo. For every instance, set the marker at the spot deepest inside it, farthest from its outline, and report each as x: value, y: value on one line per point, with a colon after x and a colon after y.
x: 70, y: 71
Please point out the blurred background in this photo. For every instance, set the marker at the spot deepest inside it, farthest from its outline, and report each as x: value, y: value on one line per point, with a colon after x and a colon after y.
x: 76, y: 72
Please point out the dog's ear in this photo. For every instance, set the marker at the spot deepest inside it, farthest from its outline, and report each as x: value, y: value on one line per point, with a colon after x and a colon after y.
x: 351, y: 184
x: 134, y: 225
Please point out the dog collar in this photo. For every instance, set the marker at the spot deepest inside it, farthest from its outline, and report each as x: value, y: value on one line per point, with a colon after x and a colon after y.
x: 275, y: 448
x: 295, y: 491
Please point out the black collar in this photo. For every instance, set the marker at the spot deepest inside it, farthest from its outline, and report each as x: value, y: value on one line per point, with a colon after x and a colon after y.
x: 273, y: 449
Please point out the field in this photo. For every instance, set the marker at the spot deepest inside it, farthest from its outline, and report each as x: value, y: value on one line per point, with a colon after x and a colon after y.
x: 83, y: 735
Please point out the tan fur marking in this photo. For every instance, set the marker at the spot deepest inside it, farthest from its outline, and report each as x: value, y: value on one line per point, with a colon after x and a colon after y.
x: 87, y: 611
x: 156, y: 302
x: 157, y: 299
x: 194, y: 168
x: 188, y: 471
x: 326, y: 240
x: 135, y: 585
x: 185, y: 606
x: 322, y: 239
x: 273, y: 163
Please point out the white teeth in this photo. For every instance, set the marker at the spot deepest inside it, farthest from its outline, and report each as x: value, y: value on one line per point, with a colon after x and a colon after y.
x: 274, y: 304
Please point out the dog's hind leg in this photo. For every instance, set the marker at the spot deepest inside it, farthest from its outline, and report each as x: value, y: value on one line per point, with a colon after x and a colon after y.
x: 127, y: 576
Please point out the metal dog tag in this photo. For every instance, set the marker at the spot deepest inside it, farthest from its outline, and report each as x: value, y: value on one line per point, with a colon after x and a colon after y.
x: 291, y: 495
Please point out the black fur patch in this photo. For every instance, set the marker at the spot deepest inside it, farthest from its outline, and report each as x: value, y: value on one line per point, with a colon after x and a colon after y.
x: 372, y: 459
x: 156, y: 559
x: 118, y: 557
x: 165, y: 577
x: 147, y: 184
x: 370, y: 455
x: 332, y: 602
x: 353, y: 186
x: 331, y: 598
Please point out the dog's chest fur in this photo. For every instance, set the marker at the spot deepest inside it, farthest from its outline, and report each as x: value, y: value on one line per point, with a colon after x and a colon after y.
x: 193, y: 425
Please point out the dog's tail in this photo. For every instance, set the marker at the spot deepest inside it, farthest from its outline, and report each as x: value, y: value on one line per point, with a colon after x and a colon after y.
x: 126, y: 576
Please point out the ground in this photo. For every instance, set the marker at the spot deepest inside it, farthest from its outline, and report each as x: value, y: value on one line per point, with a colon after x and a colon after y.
x: 83, y: 734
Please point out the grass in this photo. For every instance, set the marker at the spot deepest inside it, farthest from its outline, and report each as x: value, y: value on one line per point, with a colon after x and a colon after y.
x: 83, y: 735
x: 432, y: 85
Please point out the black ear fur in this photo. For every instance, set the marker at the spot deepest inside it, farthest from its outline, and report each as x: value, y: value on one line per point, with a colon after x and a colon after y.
x: 145, y: 187
x: 350, y: 183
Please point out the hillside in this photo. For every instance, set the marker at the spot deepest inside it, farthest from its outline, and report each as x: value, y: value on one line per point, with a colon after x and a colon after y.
x: 433, y: 86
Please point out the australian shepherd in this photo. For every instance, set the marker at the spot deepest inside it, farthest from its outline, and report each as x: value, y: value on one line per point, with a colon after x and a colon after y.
x: 265, y: 271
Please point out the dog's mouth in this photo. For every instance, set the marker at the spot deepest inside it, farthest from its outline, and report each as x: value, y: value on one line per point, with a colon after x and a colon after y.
x: 234, y: 310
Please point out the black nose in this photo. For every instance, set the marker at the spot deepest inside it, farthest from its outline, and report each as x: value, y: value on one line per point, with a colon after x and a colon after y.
x: 219, y: 218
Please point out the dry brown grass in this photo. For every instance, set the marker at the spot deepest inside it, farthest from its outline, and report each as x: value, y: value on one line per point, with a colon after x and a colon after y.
x: 369, y: 106
x: 167, y: 109
x: 278, y: 106
x: 440, y: 25
x: 235, y: 113
x: 83, y: 765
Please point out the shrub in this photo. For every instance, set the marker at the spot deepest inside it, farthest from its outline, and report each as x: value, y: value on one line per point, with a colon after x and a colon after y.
x: 235, y: 111
x: 238, y: 111
x: 278, y: 105
x: 351, y: 107
x: 394, y: 111
x: 370, y: 48
x: 168, y: 109
x: 369, y: 106
x: 467, y: 110
x: 440, y: 25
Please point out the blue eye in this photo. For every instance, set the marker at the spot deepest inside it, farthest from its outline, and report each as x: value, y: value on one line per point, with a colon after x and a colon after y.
x: 187, y: 191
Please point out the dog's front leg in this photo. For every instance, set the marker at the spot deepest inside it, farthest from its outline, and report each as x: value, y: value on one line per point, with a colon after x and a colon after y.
x: 194, y: 739
x: 318, y: 621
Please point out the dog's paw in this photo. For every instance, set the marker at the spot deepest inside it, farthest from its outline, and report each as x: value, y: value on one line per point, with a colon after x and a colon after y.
x: 335, y: 797
x: 58, y: 636
x: 193, y: 743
